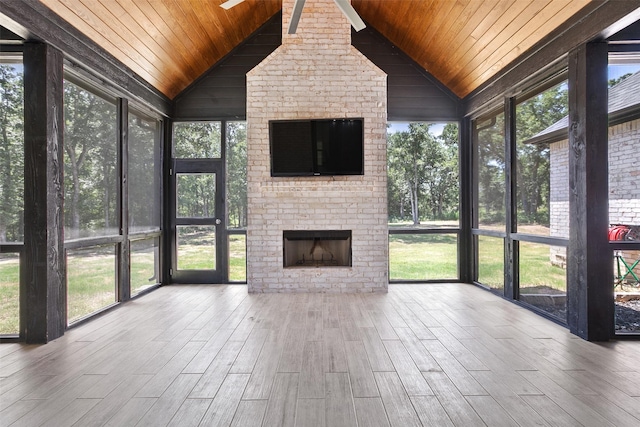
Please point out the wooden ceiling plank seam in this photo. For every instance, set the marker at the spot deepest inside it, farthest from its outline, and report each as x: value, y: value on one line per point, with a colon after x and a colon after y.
x: 522, y: 40
x: 154, y: 33
x: 252, y: 10
x: 179, y: 44
x: 474, y: 49
x: 418, y: 22
x: 425, y: 45
x: 460, y: 30
x: 376, y: 14
x: 115, y: 37
x: 186, y: 19
x: 171, y: 20
x: 134, y: 31
x: 121, y: 31
x: 498, y: 10
x: 547, y: 26
x: 505, y: 36
x: 412, y: 17
x: 193, y: 48
x: 462, y: 37
x: 478, y: 34
x: 86, y: 25
x: 212, y: 25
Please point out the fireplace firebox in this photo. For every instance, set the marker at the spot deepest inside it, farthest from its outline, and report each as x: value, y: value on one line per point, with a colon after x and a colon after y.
x: 316, y: 248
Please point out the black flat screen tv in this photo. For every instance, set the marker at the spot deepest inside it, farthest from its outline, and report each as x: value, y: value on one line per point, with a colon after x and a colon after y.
x: 317, y: 147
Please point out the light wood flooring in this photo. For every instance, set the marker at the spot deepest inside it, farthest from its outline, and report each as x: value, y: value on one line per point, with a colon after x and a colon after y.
x: 433, y: 355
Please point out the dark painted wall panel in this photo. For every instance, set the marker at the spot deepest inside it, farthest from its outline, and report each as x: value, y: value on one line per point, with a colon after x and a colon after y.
x: 413, y: 93
x: 221, y: 92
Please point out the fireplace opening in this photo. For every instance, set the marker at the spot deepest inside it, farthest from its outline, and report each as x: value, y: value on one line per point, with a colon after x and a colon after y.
x: 317, y: 248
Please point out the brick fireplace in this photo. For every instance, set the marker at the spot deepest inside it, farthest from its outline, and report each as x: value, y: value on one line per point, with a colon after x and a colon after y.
x: 316, y: 74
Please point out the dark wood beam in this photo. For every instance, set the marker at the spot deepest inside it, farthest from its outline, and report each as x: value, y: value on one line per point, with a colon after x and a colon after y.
x: 596, y: 21
x: 511, y: 246
x: 465, y: 244
x: 44, y: 260
x: 590, y: 306
x: 124, y: 276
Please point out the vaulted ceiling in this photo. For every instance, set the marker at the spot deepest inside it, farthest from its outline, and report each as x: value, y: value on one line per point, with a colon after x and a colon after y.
x: 170, y: 43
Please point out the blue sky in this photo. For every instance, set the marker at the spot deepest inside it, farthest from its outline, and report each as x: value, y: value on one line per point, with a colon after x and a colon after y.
x: 616, y: 71
x: 436, y: 129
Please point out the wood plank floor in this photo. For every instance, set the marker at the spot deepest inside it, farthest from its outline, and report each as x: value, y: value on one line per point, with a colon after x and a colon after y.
x: 432, y: 355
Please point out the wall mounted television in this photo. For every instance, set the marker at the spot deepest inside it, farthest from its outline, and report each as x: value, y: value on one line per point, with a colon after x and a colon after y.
x: 317, y: 147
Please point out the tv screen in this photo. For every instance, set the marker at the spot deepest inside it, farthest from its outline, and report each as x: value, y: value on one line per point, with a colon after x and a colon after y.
x: 316, y: 147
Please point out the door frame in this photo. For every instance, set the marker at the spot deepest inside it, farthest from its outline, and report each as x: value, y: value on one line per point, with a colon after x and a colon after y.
x: 195, y: 166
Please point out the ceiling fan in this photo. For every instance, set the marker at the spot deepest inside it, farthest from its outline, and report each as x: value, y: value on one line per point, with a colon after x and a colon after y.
x: 344, y: 5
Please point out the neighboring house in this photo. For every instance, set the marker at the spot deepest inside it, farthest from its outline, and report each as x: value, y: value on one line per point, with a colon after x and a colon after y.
x: 624, y: 165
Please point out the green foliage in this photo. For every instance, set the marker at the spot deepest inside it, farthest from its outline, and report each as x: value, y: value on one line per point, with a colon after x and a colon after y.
x: 236, y: 157
x: 90, y: 164
x: 613, y: 82
x: 144, y: 174
x: 533, y: 116
x: 11, y: 153
x: 423, y: 173
x: 197, y: 140
x: 491, y: 166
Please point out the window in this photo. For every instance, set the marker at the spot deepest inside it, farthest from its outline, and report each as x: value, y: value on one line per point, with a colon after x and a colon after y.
x: 423, y: 201
x: 92, y: 185
x: 542, y: 199
x: 624, y: 191
x: 11, y: 190
x: 90, y: 164
x: 489, y: 201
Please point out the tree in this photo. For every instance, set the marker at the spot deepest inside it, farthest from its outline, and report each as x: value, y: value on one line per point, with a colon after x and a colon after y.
x: 236, y: 156
x: 11, y: 153
x: 491, y: 165
x: 533, y: 116
x: 90, y: 163
x: 613, y: 82
x: 423, y: 172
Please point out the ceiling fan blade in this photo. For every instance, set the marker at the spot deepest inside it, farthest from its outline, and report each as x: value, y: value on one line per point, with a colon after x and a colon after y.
x: 354, y: 19
x: 295, y: 16
x: 230, y: 3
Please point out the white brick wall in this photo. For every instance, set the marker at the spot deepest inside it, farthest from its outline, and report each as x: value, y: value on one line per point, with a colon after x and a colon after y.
x: 624, y: 181
x: 316, y: 73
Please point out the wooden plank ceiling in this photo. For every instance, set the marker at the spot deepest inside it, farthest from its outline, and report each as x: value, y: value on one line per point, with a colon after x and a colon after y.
x: 170, y: 43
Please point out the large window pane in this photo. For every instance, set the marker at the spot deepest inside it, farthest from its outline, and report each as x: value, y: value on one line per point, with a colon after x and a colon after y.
x: 489, y: 151
x: 11, y: 152
x: 90, y: 164
x: 145, y: 264
x: 624, y: 195
x: 144, y: 175
x: 236, y: 157
x: 197, y: 140
x: 535, y: 116
x: 196, y: 247
x: 237, y: 257
x: 423, y: 185
x: 196, y: 195
x: 490, y: 252
x: 423, y: 256
x: 543, y: 284
x: 9, y: 294
x: 91, y: 280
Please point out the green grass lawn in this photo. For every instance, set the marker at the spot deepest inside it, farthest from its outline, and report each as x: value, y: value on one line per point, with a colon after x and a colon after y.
x: 91, y: 273
x: 423, y: 256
